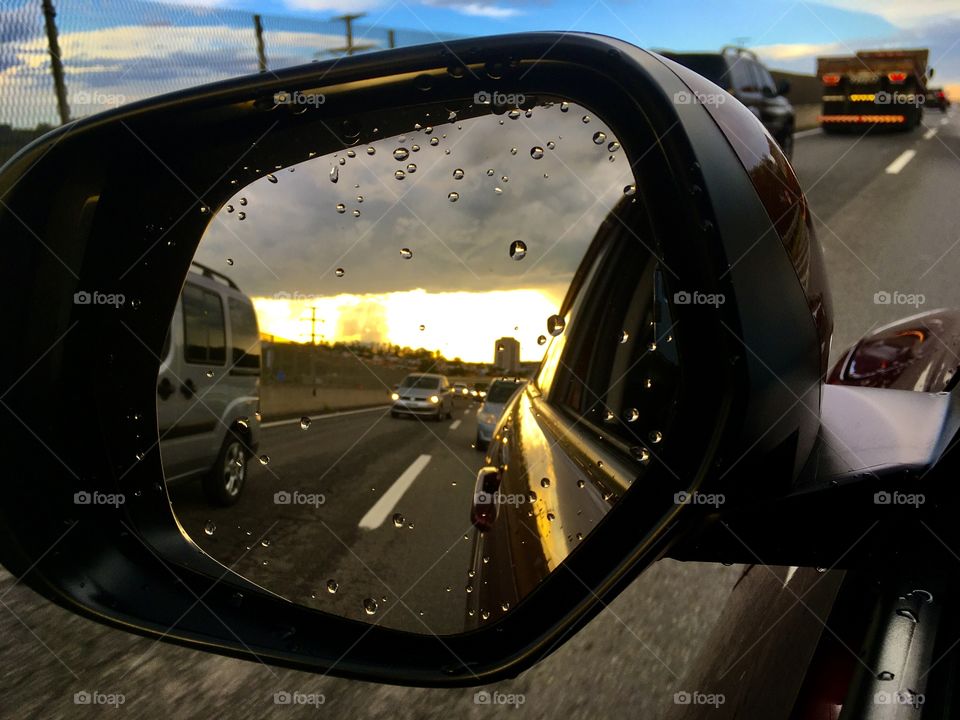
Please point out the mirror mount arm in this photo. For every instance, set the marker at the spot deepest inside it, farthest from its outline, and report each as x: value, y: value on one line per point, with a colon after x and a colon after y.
x: 879, y: 485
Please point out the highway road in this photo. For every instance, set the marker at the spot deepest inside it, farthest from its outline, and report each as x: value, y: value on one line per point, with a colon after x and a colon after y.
x: 886, y: 210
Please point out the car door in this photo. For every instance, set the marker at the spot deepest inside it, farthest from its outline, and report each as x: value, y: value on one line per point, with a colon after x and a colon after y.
x: 190, y: 400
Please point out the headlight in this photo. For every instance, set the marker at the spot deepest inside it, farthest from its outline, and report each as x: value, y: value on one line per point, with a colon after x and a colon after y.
x: 394, y: 396
x: 434, y: 399
x: 483, y: 393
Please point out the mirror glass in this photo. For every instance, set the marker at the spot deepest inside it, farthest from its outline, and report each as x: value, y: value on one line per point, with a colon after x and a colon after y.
x: 365, y: 331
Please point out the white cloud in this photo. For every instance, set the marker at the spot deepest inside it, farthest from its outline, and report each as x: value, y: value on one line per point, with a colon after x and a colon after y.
x: 476, y: 9
x: 900, y: 12
x: 341, y: 6
x: 796, y: 51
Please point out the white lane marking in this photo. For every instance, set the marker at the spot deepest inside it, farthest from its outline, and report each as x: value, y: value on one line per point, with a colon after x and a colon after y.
x: 343, y: 413
x: 806, y: 133
x: 901, y: 162
x: 790, y: 573
x: 455, y: 424
x: 467, y: 411
x: 378, y: 513
x: 929, y: 133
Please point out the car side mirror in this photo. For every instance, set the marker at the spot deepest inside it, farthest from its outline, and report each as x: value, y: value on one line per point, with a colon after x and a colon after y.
x: 563, y: 190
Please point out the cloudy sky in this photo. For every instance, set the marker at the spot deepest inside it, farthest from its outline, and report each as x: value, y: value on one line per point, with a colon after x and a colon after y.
x: 116, y: 52
x: 467, y: 192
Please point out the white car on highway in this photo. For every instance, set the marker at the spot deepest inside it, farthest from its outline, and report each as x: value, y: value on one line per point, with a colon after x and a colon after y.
x: 423, y: 394
x: 497, y: 397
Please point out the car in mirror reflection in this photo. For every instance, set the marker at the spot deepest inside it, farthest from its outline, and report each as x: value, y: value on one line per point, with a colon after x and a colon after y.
x: 492, y: 407
x: 424, y: 394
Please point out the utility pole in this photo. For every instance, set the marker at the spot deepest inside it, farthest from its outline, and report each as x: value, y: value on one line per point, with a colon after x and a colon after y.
x: 261, y: 54
x: 350, y: 48
x: 313, y: 349
x: 56, y: 65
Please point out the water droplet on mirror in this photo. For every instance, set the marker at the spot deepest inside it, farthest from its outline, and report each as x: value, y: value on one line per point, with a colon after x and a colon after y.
x: 513, y: 114
x: 885, y: 675
x: 656, y: 436
x: 359, y: 198
x: 305, y: 422
x: 371, y: 151
x: 265, y: 542
x: 551, y: 145
x: 434, y: 141
x: 411, y: 168
x: 338, y: 272
x: 555, y: 325
x: 599, y: 137
x: 453, y: 196
x: 210, y: 528
x: 608, y: 416
x: 410, y: 525
x: 401, y: 153
x: 399, y: 174
x: 273, y: 178
x: 398, y: 520
x: 258, y: 415
x: 551, y: 517
x: 449, y: 589
x: 351, y: 154
x: 629, y: 190
x: 632, y: 415
x: 458, y: 174
x: 341, y: 208
x: 536, y: 152
x: 230, y: 262
x: 564, y: 106
x: 332, y: 586
x: 356, y: 213
x: 334, y: 175
x: 406, y: 253
x: 243, y: 201
x: 648, y: 383
x: 427, y: 130
x: 370, y: 606
x: 423, y: 327
x: 485, y: 614
x: 471, y: 573
x: 469, y: 589
x: 209, y: 373
x: 486, y: 560
x: 490, y: 172
x: 624, y: 336
x: 542, y: 340
x: 498, y: 191
x: 447, y: 151
x: 518, y: 250
x: 613, y: 146
x: 504, y: 178
x: 545, y: 482
x: 415, y: 148
x: 585, y: 119
x: 264, y: 459
x: 229, y: 208
x: 513, y: 151
x: 241, y: 215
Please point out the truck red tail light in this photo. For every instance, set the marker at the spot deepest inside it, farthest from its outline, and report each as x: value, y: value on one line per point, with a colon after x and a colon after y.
x: 896, y: 76
x: 831, y: 79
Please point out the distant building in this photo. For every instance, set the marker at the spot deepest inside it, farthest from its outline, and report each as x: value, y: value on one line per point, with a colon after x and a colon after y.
x: 506, y: 355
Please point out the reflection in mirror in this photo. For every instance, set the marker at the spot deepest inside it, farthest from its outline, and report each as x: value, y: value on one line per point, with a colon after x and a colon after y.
x: 355, y: 405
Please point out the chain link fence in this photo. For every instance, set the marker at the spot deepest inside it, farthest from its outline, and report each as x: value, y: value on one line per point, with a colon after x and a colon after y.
x: 114, y: 52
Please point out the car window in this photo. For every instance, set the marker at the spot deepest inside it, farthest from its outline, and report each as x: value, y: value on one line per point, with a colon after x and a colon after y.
x: 500, y: 392
x: 204, y: 334
x: 244, y: 336
x: 741, y: 75
x: 421, y: 381
x: 765, y: 79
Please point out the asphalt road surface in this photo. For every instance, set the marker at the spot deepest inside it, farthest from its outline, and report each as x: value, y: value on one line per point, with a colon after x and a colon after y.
x: 886, y: 212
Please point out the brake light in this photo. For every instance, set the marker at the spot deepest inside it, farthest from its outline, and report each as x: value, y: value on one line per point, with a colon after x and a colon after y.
x: 831, y: 79
x: 896, y: 77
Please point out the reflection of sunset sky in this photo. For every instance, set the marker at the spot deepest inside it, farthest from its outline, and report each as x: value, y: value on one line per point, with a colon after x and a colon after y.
x: 461, y: 283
